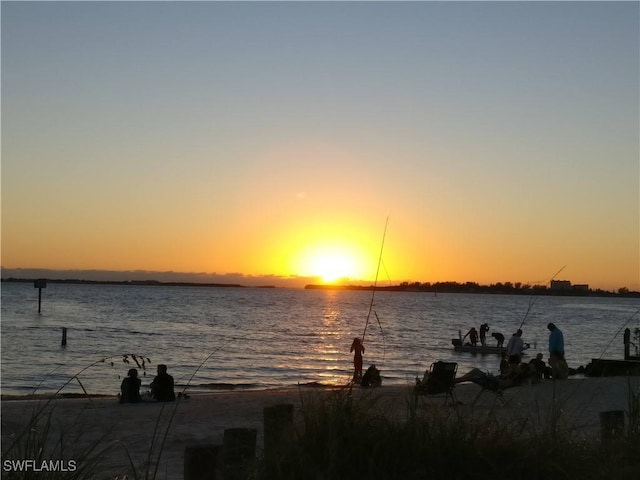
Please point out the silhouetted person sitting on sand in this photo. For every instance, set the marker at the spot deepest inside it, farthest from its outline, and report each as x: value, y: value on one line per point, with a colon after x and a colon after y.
x: 162, y: 386
x: 539, y: 368
x: 371, y: 377
x: 130, y: 388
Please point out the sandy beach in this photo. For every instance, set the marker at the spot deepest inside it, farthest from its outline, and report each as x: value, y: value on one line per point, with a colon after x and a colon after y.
x: 128, y: 429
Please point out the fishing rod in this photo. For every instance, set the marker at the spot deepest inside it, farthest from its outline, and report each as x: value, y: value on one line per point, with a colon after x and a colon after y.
x: 384, y: 342
x: 375, y: 283
x: 533, y: 300
x: 627, y: 322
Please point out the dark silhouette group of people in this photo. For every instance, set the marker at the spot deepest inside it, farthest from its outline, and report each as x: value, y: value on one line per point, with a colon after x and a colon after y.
x: 162, y: 387
x: 557, y: 367
x: 481, y: 335
x: 474, y: 336
x: 513, y: 371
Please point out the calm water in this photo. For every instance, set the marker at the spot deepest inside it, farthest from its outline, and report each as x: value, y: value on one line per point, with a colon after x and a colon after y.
x: 258, y: 338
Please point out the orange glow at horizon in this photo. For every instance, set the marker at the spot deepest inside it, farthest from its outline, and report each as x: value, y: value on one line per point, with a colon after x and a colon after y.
x: 331, y: 261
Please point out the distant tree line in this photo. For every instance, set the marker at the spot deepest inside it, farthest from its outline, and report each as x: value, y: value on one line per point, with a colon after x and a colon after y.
x: 124, y: 282
x: 507, y: 288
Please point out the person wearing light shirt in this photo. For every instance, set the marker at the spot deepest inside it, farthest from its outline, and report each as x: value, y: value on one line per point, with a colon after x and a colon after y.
x: 514, y: 349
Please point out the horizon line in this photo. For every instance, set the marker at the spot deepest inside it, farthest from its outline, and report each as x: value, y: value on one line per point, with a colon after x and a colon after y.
x: 290, y: 281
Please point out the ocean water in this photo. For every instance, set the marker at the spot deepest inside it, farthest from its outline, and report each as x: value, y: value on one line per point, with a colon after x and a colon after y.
x: 212, y: 338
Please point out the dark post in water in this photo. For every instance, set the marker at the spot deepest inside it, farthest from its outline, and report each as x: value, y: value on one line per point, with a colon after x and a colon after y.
x: 40, y: 284
x: 64, y: 337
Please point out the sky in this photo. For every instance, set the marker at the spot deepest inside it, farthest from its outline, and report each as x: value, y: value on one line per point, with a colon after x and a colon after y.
x: 403, y: 141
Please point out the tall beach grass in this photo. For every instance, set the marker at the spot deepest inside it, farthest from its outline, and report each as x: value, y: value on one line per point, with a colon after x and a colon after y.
x: 348, y: 435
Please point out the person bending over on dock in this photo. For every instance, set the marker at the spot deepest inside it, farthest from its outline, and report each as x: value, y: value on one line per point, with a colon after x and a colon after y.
x: 162, y: 386
x: 358, y: 348
x: 130, y: 388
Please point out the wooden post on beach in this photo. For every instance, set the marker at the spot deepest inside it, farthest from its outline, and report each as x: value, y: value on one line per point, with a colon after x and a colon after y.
x: 611, y: 425
x: 201, y: 462
x: 63, y: 343
x: 278, y: 431
x: 238, y: 452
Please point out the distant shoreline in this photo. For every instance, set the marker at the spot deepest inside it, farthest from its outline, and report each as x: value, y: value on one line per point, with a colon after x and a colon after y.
x: 134, y: 282
x: 499, y: 289
x: 434, y: 288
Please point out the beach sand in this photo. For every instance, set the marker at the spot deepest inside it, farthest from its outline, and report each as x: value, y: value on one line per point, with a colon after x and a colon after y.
x: 202, y: 418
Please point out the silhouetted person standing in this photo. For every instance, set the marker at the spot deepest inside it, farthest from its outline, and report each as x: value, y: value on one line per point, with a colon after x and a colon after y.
x: 358, y: 348
x: 557, y: 362
x: 514, y: 349
x: 484, y: 328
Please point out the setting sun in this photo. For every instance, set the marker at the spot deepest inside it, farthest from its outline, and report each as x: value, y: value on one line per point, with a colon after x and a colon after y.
x: 331, y: 263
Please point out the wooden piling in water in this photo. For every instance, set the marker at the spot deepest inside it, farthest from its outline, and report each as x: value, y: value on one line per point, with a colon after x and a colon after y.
x: 40, y: 284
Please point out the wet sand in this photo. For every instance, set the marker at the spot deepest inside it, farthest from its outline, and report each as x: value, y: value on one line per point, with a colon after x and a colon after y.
x: 128, y: 429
